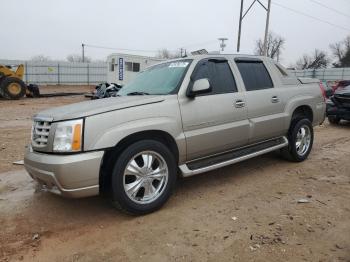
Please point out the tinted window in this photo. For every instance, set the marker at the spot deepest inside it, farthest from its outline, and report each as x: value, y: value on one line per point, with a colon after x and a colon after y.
x: 135, y: 67
x: 255, y: 75
x: 219, y: 75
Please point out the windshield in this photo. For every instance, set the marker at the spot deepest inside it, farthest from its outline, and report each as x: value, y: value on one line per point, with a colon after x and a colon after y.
x: 162, y: 79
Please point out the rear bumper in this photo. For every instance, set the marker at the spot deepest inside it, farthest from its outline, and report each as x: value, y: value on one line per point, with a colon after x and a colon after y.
x: 71, y: 176
x: 340, y: 112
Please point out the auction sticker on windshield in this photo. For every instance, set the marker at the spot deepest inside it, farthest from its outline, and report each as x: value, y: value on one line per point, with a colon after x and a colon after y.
x: 178, y: 64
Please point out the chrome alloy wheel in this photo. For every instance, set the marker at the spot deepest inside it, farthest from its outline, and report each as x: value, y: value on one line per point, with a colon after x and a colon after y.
x: 145, y: 177
x: 303, y: 140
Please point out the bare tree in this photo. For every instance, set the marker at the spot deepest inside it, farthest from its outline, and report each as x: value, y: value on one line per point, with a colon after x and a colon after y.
x: 318, y: 59
x: 75, y: 58
x: 40, y: 58
x: 166, y: 54
x: 337, y: 50
x: 341, y: 51
x: 275, y: 45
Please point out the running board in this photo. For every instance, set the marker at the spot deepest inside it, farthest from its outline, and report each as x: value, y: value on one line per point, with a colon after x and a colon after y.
x: 207, y: 164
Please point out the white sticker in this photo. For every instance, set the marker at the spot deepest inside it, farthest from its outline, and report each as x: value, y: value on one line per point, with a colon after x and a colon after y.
x: 178, y: 64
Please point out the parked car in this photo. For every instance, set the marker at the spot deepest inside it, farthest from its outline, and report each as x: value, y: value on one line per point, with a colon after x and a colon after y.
x: 340, y: 84
x: 180, y: 117
x: 338, y: 107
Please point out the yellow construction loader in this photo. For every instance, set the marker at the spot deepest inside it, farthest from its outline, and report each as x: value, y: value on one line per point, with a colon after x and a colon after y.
x: 11, y: 82
x: 13, y: 87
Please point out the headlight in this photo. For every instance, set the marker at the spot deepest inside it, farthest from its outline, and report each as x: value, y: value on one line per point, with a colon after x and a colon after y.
x: 68, y: 136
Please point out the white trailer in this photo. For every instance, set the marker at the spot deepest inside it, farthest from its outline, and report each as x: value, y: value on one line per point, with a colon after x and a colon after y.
x: 123, y: 67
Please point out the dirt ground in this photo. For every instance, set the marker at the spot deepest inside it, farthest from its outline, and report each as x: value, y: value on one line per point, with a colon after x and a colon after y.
x: 245, y: 212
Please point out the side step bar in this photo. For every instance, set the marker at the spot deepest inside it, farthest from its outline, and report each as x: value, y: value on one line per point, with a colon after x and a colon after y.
x: 207, y: 164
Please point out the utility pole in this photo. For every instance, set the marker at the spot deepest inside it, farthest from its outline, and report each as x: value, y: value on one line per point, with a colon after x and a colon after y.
x: 241, y: 17
x: 267, y: 27
x: 182, y: 50
x: 240, y: 27
x: 222, y: 44
x: 83, y: 52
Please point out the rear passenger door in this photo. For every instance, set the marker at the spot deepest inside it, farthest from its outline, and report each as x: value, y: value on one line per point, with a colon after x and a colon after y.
x: 265, y: 107
x: 211, y: 122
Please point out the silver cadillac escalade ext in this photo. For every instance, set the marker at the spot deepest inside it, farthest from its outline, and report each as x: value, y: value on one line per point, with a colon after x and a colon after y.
x: 180, y: 117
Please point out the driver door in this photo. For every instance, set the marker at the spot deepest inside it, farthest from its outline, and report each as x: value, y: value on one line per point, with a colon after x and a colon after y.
x: 216, y: 121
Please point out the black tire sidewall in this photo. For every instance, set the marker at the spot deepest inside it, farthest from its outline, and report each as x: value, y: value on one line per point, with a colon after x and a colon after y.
x: 118, y: 193
x: 333, y: 120
x: 6, y: 82
x: 292, y: 139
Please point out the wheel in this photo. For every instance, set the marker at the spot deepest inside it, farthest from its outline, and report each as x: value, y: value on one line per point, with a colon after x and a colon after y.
x: 333, y: 120
x: 12, y: 88
x: 143, y: 177
x: 1, y: 78
x: 300, y: 138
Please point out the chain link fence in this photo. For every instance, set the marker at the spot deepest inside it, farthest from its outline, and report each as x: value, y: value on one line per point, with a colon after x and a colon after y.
x: 65, y: 73
x: 61, y: 73
x: 327, y: 74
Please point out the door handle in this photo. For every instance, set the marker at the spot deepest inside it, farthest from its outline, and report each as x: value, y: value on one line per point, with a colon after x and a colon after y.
x: 275, y: 99
x: 239, y: 103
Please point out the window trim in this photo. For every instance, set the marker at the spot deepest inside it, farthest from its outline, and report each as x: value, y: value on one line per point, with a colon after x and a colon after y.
x: 206, y: 60
x: 132, y: 66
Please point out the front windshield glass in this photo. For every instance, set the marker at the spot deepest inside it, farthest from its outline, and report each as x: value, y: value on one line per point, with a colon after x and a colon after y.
x: 162, y: 79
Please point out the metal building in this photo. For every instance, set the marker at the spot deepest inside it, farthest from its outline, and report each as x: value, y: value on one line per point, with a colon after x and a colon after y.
x: 123, y: 67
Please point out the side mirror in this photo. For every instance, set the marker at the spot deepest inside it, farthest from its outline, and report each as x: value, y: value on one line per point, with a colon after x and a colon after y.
x: 200, y: 86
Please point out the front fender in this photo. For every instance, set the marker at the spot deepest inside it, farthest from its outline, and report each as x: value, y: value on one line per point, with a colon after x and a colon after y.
x: 107, y: 130
x: 115, y: 134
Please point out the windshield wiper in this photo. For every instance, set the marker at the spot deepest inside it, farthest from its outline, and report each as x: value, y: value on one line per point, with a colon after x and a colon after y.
x: 137, y: 93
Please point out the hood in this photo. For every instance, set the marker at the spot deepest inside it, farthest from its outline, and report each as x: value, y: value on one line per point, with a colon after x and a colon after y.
x: 93, y: 107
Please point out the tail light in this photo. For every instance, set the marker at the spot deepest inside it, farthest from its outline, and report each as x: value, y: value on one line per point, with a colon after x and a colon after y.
x: 323, y: 91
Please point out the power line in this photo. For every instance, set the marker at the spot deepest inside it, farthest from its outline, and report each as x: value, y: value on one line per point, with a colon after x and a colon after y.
x: 198, y: 44
x: 312, y: 17
x: 241, y: 17
x: 121, y: 49
x: 146, y: 51
x: 330, y: 8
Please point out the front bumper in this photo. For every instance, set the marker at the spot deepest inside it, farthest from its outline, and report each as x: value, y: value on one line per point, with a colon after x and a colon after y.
x: 71, y: 176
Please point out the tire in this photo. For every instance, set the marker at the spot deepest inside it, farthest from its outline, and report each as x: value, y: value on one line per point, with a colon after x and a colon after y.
x: 294, y: 152
x: 139, y: 200
x: 1, y: 78
x: 334, y: 120
x: 12, y: 88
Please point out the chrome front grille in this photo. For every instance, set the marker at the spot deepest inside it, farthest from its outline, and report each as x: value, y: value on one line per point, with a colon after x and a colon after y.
x: 40, y: 133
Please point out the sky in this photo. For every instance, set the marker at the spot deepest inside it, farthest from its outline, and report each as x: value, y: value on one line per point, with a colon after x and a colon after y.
x: 58, y: 28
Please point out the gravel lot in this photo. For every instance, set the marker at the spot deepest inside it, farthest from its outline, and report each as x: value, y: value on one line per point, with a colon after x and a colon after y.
x: 245, y: 212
